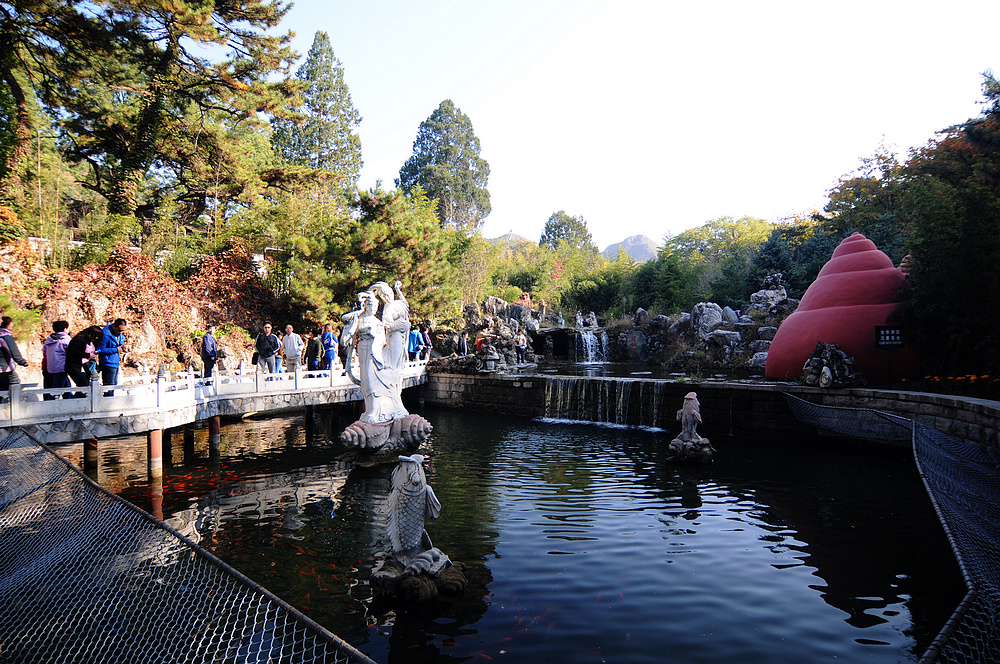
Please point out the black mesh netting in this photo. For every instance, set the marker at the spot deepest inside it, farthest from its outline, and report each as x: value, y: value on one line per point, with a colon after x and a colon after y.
x: 963, y: 482
x: 87, y: 577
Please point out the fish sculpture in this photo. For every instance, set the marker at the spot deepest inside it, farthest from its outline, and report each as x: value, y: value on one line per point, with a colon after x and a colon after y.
x: 410, y: 501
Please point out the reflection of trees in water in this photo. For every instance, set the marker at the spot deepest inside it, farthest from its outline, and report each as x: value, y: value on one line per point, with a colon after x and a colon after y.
x: 818, y: 499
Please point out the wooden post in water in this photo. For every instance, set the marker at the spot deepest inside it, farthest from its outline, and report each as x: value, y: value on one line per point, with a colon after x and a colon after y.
x: 154, y: 449
x: 214, y: 437
x: 90, y: 455
x: 188, y: 443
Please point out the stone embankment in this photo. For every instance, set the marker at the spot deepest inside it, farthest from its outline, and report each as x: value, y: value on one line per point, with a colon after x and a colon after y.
x: 727, y: 407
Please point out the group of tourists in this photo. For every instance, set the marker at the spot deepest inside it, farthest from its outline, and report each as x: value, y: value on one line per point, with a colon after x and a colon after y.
x: 419, y: 343
x: 275, y: 352
x: 67, y: 358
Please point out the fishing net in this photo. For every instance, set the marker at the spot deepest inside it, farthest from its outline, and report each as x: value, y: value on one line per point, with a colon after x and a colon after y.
x: 87, y: 577
x: 963, y: 483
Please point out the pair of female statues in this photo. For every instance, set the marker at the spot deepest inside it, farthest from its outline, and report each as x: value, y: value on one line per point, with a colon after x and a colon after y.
x: 380, y: 341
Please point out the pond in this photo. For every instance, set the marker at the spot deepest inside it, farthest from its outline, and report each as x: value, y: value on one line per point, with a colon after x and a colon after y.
x: 581, y: 543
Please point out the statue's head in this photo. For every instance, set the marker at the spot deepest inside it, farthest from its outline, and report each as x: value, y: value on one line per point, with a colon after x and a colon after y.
x: 410, y: 471
x: 367, y: 301
x: 382, y: 291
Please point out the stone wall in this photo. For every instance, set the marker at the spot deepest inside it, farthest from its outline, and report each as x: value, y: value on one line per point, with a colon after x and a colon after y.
x: 727, y: 408
x: 510, y: 395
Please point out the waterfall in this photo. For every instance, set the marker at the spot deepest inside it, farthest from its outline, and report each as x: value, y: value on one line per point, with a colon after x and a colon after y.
x: 612, y: 401
x: 591, y: 346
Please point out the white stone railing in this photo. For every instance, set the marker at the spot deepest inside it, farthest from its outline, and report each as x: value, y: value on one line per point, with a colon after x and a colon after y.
x: 25, y: 404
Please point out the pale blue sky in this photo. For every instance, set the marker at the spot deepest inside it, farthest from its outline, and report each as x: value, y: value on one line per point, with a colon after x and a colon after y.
x: 651, y: 116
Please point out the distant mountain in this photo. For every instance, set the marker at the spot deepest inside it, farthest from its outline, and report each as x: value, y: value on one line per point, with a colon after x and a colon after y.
x: 639, y: 247
x: 510, y: 238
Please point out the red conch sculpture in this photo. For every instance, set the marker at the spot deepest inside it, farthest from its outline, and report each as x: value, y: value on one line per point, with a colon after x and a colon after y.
x: 855, y: 291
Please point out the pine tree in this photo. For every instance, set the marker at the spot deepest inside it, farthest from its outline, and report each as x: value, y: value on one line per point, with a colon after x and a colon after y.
x: 447, y: 166
x: 325, y: 135
x: 124, y: 80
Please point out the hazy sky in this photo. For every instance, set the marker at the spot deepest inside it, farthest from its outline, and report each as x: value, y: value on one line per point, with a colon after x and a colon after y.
x: 653, y: 117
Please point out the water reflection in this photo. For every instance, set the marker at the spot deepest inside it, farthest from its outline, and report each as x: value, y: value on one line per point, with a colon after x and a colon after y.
x: 581, y: 542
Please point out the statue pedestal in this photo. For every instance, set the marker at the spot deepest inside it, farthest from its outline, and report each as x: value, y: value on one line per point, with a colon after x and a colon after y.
x: 699, y: 451
x: 389, y: 578
x: 403, y: 435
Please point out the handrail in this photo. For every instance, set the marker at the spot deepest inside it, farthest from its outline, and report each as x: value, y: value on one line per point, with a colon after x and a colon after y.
x: 136, y: 394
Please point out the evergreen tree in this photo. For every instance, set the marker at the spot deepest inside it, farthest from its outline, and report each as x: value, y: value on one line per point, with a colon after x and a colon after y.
x: 383, y: 236
x: 325, y: 136
x: 123, y: 80
x: 447, y: 166
x: 561, y: 226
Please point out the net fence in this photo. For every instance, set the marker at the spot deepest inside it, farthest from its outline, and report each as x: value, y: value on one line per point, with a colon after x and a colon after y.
x: 87, y: 577
x: 963, y: 483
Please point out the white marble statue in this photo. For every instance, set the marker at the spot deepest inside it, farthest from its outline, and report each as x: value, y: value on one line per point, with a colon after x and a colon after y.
x: 413, y: 568
x: 378, y: 378
x: 410, y: 502
x: 379, y: 338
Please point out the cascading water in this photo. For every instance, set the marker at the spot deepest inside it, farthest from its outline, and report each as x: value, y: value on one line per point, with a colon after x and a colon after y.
x: 617, y: 401
x: 591, y: 346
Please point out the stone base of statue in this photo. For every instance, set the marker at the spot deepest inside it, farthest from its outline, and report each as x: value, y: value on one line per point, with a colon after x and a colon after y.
x: 400, y: 436
x: 694, y: 451
x: 394, y: 579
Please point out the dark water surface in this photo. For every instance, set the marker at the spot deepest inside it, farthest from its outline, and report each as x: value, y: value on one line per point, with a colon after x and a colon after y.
x: 582, y: 543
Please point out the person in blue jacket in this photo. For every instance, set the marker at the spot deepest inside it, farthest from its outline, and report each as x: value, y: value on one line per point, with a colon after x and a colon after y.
x: 415, y: 343
x: 109, y: 352
x: 329, y: 340
x: 209, y: 352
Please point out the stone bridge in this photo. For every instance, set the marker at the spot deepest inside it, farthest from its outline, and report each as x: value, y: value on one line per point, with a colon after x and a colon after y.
x: 150, y: 404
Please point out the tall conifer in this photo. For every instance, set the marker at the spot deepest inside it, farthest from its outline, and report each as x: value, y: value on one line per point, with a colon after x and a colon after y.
x: 325, y: 135
x: 447, y: 166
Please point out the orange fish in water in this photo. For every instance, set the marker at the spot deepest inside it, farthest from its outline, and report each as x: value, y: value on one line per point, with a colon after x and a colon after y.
x: 481, y: 655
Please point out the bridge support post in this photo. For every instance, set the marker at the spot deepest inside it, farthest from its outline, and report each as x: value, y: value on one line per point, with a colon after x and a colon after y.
x: 214, y: 437
x: 188, y: 443
x: 154, y: 449
x: 310, y: 430
x: 91, y: 459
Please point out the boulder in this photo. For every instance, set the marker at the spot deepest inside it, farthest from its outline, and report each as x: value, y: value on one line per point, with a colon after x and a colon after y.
x: 472, y: 314
x: 705, y: 317
x: 636, y: 345
x: 724, y: 338
x: 766, y: 333
x: 681, y: 326
x: 495, y: 306
x: 659, y: 322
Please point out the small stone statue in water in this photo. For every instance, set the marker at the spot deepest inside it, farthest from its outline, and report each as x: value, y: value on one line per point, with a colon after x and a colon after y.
x: 688, y: 445
x: 414, y: 568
